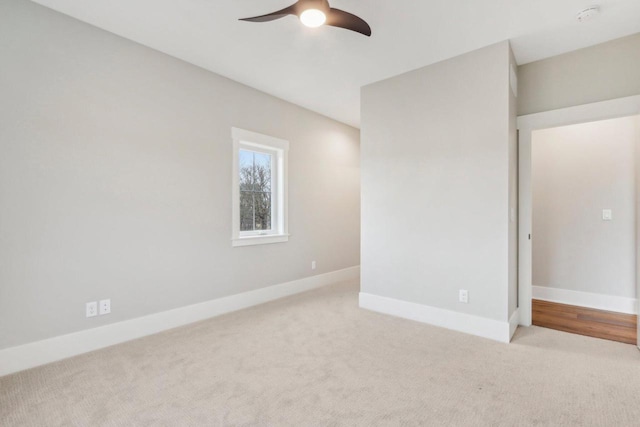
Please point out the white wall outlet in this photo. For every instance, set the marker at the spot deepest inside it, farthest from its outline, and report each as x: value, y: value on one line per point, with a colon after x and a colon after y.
x: 92, y: 309
x: 104, y: 306
x: 313, y: 265
x: 463, y: 296
x: 607, y: 215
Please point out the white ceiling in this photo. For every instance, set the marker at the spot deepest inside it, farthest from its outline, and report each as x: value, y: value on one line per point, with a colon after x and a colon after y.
x: 323, y: 69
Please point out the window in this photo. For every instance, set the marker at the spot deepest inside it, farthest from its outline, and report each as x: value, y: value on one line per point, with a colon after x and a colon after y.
x: 259, y: 189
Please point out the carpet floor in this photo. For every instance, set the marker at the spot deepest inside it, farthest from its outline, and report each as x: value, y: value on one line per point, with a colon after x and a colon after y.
x: 316, y: 359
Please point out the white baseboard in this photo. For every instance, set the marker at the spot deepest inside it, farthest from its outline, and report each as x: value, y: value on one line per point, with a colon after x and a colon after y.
x: 461, y: 322
x: 38, y: 353
x: 514, y: 321
x: 586, y: 299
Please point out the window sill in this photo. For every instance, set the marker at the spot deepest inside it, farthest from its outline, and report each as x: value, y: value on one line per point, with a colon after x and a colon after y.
x: 260, y: 240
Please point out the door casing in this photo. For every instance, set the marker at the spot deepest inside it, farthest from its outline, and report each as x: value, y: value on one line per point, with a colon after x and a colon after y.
x: 527, y: 124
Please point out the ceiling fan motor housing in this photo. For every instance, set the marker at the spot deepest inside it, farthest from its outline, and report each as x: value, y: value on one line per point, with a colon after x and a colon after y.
x: 322, y: 5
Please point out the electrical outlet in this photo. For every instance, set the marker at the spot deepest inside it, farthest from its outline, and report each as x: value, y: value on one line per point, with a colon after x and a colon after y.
x: 313, y: 265
x: 463, y: 296
x: 104, y: 306
x: 92, y: 309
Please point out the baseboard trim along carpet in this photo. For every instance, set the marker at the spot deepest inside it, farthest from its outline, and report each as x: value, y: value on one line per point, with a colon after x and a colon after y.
x: 586, y: 299
x: 38, y: 353
x: 461, y: 322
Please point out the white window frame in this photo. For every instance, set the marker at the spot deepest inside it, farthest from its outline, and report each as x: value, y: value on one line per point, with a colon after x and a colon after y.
x: 279, y: 151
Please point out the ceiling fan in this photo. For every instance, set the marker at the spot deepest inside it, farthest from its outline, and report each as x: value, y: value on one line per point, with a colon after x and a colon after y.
x: 314, y: 13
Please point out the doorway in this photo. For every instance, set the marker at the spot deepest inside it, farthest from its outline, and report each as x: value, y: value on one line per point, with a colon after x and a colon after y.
x: 528, y: 126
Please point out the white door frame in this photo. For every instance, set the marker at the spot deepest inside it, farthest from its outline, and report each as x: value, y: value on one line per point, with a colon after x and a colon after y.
x: 621, y: 107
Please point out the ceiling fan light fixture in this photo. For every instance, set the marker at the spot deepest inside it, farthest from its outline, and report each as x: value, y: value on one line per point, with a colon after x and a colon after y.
x: 313, y: 18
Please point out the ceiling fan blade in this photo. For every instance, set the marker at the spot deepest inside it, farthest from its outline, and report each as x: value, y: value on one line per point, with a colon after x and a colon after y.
x: 342, y: 19
x: 291, y: 10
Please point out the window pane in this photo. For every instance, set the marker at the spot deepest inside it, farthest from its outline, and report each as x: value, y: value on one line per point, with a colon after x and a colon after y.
x: 255, y: 190
x: 246, y: 170
x: 263, y: 211
x: 262, y: 172
x: 246, y: 211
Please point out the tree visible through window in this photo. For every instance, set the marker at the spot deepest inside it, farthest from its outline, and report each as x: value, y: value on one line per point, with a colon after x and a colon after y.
x: 255, y: 190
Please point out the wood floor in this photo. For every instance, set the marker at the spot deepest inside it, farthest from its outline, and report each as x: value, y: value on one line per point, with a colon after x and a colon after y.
x: 586, y: 321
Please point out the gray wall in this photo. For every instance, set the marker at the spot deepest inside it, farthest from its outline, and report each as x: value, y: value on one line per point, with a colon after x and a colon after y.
x: 578, y: 171
x: 115, y: 180
x: 597, y: 73
x: 435, y: 184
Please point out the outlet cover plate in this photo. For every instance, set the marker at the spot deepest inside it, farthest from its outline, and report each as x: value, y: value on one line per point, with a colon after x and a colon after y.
x: 105, y: 306
x: 92, y: 309
x: 463, y: 296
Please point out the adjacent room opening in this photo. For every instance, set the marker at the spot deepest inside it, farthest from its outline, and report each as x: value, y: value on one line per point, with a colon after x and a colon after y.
x: 584, y: 199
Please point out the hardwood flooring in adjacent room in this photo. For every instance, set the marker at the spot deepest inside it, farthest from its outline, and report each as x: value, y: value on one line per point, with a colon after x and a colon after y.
x: 586, y: 321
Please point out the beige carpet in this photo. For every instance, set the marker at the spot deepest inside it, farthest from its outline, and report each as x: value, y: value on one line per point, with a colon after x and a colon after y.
x: 316, y: 359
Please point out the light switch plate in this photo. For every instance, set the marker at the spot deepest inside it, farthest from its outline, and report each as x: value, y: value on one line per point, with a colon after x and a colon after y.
x: 607, y: 215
